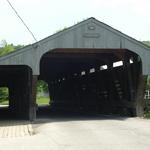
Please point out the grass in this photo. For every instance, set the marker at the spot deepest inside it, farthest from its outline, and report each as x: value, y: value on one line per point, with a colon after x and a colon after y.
x: 42, y: 100
x: 5, y: 102
x: 147, y: 109
x: 147, y: 115
x: 39, y: 101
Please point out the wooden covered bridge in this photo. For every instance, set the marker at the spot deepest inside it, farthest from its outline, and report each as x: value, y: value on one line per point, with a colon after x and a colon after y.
x: 88, y: 67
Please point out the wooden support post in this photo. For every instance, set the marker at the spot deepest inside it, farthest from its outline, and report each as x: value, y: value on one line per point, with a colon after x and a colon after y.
x: 139, y: 103
x: 97, y: 103
x: 32, y: 104
x: 51, y: 90
x: 11, y: 97
x: 129, y: 84
x: 110, y: 84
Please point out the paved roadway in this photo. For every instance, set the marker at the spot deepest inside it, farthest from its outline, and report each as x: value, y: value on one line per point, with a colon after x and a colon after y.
x: 83, y: 133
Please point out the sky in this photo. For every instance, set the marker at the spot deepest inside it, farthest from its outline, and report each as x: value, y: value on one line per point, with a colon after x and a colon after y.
x: 45, y: 17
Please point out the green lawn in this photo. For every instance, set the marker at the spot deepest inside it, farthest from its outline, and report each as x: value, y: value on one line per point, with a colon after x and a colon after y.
x: 6, y: 102
x: 39, y: 101
x: 42, y: 101
x: 147, y: 115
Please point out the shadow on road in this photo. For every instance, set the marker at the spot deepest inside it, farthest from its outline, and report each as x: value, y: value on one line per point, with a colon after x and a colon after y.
x: 45, y: 115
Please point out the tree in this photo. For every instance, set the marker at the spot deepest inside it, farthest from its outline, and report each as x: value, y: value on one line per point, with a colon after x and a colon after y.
x: 42, y: 86
x: 6, y: 48
x: 147, y: 42
x: 18, y: 46
x: 3, y: 94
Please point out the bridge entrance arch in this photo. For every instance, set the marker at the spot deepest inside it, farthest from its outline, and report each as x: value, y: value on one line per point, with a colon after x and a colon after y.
x: 18, y: 80
x: 105, y: 81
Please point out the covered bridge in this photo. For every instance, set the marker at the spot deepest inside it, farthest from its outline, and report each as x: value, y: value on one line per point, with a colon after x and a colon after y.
x: 88, y: 67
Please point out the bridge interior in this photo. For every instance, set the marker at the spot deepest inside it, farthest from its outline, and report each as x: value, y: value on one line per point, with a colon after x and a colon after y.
x: 103, y: 81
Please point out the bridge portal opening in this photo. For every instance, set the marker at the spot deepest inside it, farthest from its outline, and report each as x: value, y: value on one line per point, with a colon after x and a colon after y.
x: 103, y: 81
x: 42, y: 94
x: 4, y: 97
x: 15, y: 91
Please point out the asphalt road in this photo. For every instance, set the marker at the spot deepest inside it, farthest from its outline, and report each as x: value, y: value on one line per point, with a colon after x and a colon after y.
x: 84, y: 133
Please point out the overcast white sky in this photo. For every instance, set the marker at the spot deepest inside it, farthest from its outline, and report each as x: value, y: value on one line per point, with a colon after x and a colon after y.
x: 45, y: 17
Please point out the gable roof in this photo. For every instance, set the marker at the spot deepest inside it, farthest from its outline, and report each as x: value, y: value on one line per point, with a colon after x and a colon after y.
x: 89, y: 20
x: 99, y: 23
